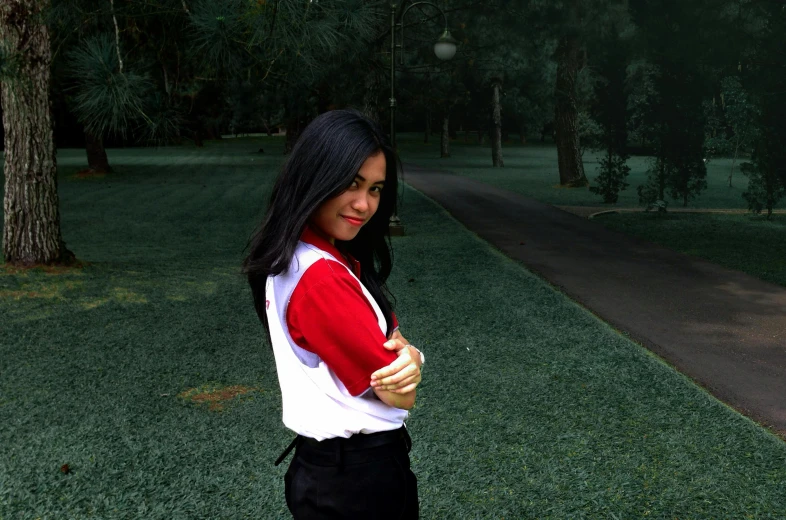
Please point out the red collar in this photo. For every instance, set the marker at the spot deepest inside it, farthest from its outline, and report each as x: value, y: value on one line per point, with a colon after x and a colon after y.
x: 309, y: 236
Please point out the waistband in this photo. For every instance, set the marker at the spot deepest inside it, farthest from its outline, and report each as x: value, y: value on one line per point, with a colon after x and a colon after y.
x: 359, y: 447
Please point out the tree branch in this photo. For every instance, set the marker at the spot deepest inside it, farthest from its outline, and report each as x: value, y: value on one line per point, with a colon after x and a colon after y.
x: 117, y: 36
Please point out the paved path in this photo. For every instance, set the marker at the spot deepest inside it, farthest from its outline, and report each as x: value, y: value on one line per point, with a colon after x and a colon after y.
x: 590, y: 211
x: 724, y: 329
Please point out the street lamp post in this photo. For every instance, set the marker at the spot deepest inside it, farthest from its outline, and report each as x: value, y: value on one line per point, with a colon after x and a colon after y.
x: 444, y: 48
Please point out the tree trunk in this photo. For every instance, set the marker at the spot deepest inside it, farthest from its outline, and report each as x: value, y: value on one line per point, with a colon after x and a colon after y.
x: 571, y: 168
x: 480, y: 136
x: 522, y: 133
x: 428, y: 126
x: 325, y: 101
x: 295, y: 126
x: 445, y: 152
x: 211, y: 132
x: 166, y: 80
x: 96, y: 154
x: 31, y: 232
x: 731, y: 172
x: 734, y: 160
x: 373, y: 86
x: 496, y: 127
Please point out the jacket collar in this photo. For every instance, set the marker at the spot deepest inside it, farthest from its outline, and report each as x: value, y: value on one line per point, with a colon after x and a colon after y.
x: 310, y: 236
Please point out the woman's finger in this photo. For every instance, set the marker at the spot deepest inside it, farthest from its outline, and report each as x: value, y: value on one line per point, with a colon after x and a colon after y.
x: 414, y: 378
x: 397, y: 365
x: 394, y: 345
x: 406, y: 371
x: 405, y: 390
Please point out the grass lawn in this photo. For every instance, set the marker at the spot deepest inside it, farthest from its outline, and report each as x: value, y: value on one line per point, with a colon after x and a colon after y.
x: 147, y: 372
x: 531, y: 170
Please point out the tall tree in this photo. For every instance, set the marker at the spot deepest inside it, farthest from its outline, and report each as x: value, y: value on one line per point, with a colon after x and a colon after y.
x: 199, y: 57
x: 731, y: 118
x: 31, y: 232
x: 494, y: 58
x: 496, y: 123
x: 610, y: 112
x: 676, y: 49
x: 530, y: 97
x: 578, y: 23
x: 565, y: 28
x: 570, y: 60
x: 763, y: 70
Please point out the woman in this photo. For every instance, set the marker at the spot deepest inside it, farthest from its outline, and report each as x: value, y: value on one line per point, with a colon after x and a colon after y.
x: 347, y: 375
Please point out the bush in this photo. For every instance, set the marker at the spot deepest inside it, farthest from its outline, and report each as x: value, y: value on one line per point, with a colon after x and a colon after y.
x: 651, y: 192
x: 590, y: 133
x: 765, y: 189
x: 611, y: 179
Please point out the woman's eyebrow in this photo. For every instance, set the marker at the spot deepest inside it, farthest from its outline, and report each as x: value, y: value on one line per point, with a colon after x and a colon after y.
x: 364, y: 180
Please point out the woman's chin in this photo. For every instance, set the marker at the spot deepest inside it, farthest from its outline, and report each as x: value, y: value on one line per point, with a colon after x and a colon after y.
x: 348, y: 236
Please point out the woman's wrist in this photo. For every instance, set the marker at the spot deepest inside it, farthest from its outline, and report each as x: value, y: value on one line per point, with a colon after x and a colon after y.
x: 422, y: 357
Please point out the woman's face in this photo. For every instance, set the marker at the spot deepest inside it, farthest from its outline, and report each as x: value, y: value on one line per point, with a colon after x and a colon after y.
x: 359, y: 201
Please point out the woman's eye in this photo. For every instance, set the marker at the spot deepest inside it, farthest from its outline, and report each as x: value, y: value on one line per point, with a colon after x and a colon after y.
x: 355, y: 184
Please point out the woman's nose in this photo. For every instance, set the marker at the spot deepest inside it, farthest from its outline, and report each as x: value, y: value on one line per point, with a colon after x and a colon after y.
x: 360, y: 203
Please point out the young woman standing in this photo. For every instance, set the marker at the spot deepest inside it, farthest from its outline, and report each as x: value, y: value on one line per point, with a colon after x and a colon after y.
x: 317, y: 270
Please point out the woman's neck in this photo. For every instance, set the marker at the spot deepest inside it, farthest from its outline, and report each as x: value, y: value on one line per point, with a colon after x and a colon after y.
x: 319, y: 232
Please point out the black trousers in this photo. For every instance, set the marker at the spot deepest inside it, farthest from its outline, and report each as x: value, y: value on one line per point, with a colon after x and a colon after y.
x: 366, y: 476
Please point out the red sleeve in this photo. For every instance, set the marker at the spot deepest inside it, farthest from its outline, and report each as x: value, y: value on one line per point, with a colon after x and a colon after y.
x: 329, y: 315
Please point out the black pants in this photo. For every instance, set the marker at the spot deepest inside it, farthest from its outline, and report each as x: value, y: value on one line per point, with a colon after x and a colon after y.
x: 366, y: 476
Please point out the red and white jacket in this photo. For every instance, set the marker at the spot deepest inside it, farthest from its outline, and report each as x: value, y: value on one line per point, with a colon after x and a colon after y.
x: 327, y: 333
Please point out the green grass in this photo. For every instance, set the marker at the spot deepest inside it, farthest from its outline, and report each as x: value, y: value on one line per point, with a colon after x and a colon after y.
x: 530, y: 407
x: 531, y: 170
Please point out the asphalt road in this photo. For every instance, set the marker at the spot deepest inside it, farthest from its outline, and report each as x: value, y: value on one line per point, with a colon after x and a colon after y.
x: 722, y: 328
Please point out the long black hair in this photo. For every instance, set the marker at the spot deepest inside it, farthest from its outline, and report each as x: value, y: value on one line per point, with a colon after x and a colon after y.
x: 322, y: 165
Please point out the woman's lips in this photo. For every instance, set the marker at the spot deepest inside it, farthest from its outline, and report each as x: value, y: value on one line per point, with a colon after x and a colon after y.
x: 354, y: 222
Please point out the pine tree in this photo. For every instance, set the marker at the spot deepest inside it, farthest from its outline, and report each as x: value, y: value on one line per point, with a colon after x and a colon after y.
x: 31, y: 227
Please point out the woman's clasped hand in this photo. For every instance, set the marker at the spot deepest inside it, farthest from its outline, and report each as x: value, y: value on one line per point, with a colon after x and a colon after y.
x: 403, y: 375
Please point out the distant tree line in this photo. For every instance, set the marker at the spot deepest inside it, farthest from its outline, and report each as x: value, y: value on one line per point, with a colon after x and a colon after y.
x: 683, y: 82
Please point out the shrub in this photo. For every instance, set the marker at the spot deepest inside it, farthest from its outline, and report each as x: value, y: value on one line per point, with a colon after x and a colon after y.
x: 611, y: 179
